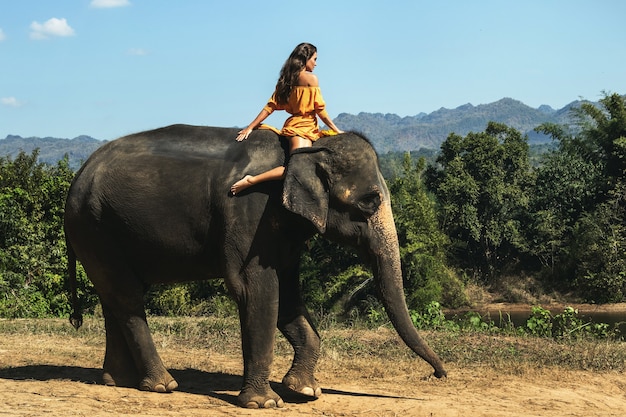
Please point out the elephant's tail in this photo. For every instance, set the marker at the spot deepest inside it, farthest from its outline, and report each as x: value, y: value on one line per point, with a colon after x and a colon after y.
x: 76, y: 318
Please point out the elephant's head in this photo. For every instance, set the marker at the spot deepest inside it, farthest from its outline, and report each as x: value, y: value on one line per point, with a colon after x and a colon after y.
x: 338, y: 186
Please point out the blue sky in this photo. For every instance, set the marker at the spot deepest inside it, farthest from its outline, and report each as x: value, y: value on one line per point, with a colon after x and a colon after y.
x: 106, y: 68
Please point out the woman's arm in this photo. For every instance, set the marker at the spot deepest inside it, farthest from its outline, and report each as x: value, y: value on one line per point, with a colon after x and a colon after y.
x: 328, y: 122
x: 244, y: 133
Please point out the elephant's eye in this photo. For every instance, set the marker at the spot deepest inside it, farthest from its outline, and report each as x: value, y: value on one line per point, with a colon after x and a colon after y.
x: 369, y: 203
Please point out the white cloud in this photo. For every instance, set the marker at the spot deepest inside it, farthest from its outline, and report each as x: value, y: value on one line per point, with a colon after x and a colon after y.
x: 2, y: 35
x: 137, y: 52
x: 106, y: 4
x: 52, y: 27
x: 10, y: 101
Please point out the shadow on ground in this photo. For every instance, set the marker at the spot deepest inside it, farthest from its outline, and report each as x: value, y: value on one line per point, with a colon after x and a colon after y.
x: 191, y: 381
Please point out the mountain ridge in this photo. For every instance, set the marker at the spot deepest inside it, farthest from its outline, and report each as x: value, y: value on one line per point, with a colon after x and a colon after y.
x: 392, y: 133
x: 388, y: 132
x: 51, y: 150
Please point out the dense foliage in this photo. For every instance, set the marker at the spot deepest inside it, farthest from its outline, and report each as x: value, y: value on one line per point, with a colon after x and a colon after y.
x: 482, y: 183
x: 562, y: 220
x: 32, y: 247
x: 483, y: 208
x: 581, y: 219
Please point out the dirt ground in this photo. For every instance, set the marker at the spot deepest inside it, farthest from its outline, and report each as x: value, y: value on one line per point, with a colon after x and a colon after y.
x: 53, y: 375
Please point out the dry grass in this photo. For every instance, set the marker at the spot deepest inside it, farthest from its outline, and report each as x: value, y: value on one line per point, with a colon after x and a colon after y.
x: 348, y: 346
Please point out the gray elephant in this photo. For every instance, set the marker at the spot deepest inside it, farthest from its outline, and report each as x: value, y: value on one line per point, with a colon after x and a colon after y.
x: 154, y: 207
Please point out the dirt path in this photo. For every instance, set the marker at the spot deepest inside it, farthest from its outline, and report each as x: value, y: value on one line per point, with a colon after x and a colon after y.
x: 52, y: 375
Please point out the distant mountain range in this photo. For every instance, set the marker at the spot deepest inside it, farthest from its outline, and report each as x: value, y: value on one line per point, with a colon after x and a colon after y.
x: 392, y: 133
x: 388, y: 132
x: 51, y: 150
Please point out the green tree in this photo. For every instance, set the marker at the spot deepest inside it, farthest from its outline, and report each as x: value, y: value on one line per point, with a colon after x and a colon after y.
x: 579, y: 202
x: 422, y: 243
x: 565, y: 188
x: 32, y: 247
x: 599, y: 239
x: 604, y: 134
x: 482, y: 183
x: 599, y: 249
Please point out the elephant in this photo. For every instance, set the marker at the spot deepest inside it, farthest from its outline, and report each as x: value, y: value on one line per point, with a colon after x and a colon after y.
x: 155, y: 207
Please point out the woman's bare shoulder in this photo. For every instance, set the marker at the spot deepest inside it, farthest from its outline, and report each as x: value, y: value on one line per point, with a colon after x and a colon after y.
x: 308, y: 79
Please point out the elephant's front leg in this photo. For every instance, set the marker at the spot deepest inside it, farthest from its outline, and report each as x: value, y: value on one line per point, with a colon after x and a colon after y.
x: 258, y: 313
x: 297, y: 326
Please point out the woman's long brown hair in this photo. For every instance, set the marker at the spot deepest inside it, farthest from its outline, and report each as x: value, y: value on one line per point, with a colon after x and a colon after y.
x: 291, y: 70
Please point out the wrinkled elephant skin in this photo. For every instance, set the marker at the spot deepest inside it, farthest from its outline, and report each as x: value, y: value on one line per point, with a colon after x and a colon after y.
x: 154, y: 207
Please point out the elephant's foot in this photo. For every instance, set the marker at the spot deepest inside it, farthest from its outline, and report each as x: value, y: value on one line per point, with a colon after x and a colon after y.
x: 249, y: 398
x: 303, y: 386
x: 158, y: 383
x: 127, y: 380
x: 155, y: 383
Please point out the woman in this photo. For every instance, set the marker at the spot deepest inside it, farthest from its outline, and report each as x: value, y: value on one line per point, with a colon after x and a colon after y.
x: 298, y: 93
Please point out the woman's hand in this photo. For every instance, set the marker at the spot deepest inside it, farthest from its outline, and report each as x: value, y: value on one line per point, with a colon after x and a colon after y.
x: 243, y: 134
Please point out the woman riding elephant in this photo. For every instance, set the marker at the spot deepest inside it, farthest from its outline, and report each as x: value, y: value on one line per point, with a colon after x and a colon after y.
x: 298, y: 93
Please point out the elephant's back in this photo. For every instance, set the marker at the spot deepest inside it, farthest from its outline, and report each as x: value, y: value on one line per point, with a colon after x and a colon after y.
x: 178, y: 156
x: 177, y: 141
x: 186, y: 143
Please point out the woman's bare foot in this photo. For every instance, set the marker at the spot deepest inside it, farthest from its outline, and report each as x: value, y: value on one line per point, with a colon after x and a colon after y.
x: 241, y: 185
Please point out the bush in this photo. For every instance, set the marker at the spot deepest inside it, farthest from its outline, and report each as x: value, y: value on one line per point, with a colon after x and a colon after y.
x: 565, y: 326
x: 33, y: 260
x: 540, y: 322
x: 198, y: 298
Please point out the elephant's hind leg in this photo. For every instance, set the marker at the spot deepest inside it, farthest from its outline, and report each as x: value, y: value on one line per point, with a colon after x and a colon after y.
x: 119, y: 366
x: 131, y: 357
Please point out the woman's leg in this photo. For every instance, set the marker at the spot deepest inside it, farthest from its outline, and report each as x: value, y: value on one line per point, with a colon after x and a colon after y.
x: 277, y: 173
x: 273, y: 174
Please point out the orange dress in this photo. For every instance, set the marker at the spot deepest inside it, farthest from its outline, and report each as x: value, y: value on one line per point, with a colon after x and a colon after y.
x: 305, y: 104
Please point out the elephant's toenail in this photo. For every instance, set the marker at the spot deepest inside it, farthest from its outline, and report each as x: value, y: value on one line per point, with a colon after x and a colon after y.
x: 269, y: 404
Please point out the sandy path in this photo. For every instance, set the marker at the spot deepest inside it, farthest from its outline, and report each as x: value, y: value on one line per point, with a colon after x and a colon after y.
x: 464, y: 394
x: 51, y: 375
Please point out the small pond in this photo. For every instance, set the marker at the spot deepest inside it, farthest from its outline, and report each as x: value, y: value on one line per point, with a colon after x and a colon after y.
x: 501, y: 315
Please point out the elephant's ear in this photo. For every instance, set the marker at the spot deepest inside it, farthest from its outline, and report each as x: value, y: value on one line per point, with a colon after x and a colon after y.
x: 305, y: 190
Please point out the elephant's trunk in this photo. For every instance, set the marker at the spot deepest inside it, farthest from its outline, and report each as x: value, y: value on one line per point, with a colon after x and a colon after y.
x: 388, y: 274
